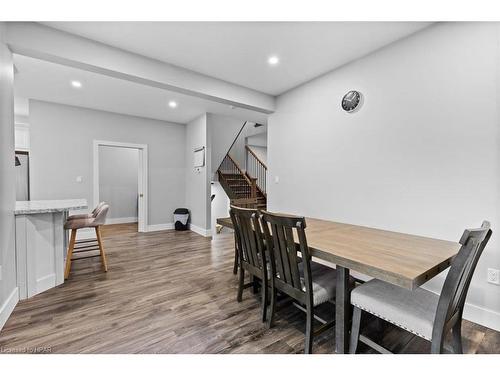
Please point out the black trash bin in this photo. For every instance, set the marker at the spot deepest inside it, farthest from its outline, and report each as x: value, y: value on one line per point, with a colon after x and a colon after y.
x: 181, y: 218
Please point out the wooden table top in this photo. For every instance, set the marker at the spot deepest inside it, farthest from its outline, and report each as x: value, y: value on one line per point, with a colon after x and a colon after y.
x: 402, y: 259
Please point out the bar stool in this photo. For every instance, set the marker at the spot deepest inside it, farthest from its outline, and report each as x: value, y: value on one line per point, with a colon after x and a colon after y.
x: 85, y: 216
x: 86, y: 248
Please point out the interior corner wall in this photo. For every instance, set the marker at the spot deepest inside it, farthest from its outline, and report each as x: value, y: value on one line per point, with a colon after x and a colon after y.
x: 420, y: 156
x: 198, y: 179
x: 8, y: 288
x: 62, y: 149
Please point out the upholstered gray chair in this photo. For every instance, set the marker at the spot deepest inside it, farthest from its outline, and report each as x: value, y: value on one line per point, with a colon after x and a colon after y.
x: 419, y: 311
x: 84, y: 249
x: 85, y: 216
x: 309, y: 283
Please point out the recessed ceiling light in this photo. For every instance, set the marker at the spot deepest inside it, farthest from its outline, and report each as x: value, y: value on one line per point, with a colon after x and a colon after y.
x: 172, y: 104
x: 76, y: 84
x: 273, y: 60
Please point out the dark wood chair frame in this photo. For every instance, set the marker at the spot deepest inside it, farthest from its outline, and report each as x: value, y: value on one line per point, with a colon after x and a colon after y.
x: 452, y: 299
x: 283, y: 254
x: 251, y: 253
x: 243, y: 203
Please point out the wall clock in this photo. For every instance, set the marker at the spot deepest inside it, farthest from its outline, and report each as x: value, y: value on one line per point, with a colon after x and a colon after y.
x: 351, y: 101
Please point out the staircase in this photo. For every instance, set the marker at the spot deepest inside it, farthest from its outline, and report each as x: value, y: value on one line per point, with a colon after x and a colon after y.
x: 244, y: 188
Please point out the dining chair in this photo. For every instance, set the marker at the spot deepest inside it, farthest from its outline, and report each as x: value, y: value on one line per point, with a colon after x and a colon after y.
x: 244, y: 203
x: 307, y: 282
x: 251, y: 252
x: 419, y: 311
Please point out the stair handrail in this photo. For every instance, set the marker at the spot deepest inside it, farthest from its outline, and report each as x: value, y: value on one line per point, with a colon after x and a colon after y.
x: 256, y: 157
x: 250, y: 180
x: 256, y: 169
x: 232, y: 144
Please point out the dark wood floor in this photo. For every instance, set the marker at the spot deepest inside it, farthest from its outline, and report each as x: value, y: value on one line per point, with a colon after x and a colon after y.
x: 173, y: 292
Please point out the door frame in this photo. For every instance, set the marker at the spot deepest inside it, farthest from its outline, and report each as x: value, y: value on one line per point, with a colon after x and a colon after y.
x: 142, y: 178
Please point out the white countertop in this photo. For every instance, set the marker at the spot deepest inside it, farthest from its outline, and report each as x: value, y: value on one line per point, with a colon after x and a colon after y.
x: 48, y: 206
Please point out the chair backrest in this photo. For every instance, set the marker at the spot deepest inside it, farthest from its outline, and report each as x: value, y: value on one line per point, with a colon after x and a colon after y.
x: 100, y: 215
x: 281, y: 233
x: 456, y: 285
x: 249, y: 238
x: 97, y: 209
x: 244, y: 202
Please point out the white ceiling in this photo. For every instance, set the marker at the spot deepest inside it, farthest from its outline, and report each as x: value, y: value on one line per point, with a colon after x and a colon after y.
x: 37, y: 79
x: 238, y: 51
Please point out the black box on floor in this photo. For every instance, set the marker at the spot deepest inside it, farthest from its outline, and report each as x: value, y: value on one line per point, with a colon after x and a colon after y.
x: 181, y: 218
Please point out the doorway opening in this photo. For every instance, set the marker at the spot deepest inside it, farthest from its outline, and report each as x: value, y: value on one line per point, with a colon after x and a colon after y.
x: 121, y: 180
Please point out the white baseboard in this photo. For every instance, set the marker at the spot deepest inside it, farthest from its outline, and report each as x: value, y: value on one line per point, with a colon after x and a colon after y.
x: 158, y: 227
x: 45, y: 283
x: 200, y: 231
x: 482, y: 316
x: 8, y: 306
x: 121, y: 220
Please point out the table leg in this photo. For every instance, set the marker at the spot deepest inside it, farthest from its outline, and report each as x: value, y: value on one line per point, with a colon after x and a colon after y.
x: 342, y: 308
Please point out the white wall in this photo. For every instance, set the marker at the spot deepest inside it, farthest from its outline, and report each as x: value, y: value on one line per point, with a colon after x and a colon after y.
x: 118, y: 182
x: 223, y: 131
x: 238, y: 152
x: 257, y: 140
x: 22, y: 137
x: 421, y: 155
x: 8, y: 289
x: 62, y: 149
x: 198, y: 179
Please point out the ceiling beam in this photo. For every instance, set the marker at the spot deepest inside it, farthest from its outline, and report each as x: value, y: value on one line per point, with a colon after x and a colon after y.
x: 45, y: 43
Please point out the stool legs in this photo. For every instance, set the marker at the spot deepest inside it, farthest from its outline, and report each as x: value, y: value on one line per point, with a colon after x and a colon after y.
x: 71, y: 248
x: 101, y: 248
x: 69, y: 255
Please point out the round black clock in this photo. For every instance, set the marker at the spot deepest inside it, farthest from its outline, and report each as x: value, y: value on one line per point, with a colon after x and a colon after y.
x: 351, y: 101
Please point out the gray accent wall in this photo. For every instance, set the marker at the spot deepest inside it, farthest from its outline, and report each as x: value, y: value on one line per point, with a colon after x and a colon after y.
x: 420, y: 155
x: 8, y: 289
x: 62, y: 149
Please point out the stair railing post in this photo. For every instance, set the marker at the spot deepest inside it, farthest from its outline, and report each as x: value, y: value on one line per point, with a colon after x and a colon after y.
x: 253, y: 190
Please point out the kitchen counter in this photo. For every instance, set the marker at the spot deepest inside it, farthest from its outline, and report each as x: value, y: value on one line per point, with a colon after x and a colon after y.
x: 49, y: 206
x: 41, y: 243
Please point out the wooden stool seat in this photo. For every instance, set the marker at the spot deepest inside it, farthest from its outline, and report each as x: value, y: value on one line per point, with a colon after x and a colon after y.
x: 84, y: 249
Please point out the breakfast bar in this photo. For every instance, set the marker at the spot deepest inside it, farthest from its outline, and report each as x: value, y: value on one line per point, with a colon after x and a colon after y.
x: 41, y: 242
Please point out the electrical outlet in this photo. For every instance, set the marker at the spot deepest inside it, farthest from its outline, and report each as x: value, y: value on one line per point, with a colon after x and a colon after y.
x: 494, y: 276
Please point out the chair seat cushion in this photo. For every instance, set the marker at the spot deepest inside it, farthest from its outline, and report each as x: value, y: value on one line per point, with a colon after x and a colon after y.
x: 80, y: 216
x: 80, y: 223
x: 412, y: 310
x: 324, y: 282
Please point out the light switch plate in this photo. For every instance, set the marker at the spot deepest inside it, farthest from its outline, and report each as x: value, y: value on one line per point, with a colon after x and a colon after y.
x: 79, y: 178
x: 493, y: 276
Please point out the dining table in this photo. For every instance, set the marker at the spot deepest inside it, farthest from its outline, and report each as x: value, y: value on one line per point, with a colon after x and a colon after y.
x: 401, y: 259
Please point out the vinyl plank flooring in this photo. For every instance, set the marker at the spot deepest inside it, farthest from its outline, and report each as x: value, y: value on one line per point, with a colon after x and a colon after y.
x: 174, y: 292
